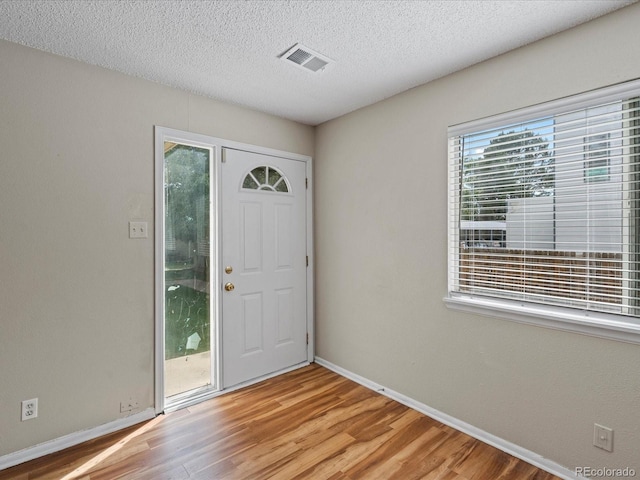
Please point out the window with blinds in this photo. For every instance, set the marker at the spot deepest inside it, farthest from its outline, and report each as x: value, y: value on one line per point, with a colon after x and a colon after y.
x: 544, y: 205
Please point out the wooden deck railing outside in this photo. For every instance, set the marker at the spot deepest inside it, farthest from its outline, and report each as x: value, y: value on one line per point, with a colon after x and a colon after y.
x: 593, y: 276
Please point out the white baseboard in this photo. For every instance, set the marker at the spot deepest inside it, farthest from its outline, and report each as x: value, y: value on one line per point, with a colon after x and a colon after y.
x: 486, y: 437
x: 72, y: 439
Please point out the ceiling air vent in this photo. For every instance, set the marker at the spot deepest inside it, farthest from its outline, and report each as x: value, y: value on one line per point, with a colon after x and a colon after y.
x: 304, y: 57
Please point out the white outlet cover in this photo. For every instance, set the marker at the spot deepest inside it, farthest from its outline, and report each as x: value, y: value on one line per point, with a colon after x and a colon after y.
x: 29, y: 409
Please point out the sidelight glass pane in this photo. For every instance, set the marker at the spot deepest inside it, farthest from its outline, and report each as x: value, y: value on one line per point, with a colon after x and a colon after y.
x: 187, y: 268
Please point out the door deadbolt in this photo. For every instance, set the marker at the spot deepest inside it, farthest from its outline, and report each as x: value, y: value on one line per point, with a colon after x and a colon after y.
x: 228, y: 269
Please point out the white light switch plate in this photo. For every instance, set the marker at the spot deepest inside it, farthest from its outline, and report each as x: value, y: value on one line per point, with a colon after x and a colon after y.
x: 138, y: 230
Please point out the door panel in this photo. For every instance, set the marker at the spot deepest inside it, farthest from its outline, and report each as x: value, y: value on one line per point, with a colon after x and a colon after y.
x: 264, y: 324
x: 285, y: 316
x: 251, y: 237
x: 284, y: 235
x: 252, y: 323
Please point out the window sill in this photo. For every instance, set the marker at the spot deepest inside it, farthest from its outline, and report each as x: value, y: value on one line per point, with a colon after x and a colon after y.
x: 612, y: 327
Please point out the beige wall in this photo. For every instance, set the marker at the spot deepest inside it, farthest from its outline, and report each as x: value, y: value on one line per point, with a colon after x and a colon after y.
x: 76, y: 294
x: 381, y: 251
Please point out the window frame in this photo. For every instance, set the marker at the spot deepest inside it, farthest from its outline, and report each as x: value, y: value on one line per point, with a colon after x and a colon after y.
x: 599, y: 324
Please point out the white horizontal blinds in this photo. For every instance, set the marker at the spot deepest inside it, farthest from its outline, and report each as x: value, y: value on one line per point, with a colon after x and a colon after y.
x: 545, y: 210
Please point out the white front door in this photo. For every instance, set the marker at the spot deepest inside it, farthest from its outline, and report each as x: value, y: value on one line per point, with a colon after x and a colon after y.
x: 263, y: 226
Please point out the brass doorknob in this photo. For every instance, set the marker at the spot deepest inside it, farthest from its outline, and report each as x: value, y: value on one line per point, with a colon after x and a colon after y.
x: 229, y: 286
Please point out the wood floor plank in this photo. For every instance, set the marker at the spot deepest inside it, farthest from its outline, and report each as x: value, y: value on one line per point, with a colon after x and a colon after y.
x: 399, y: 464
x: 307, y: 424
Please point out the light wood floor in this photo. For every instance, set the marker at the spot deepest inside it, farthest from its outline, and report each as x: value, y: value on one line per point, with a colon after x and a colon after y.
x: 310, y: 423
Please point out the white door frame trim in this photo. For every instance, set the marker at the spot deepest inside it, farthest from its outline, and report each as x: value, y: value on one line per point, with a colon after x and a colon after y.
x: 217, y: 144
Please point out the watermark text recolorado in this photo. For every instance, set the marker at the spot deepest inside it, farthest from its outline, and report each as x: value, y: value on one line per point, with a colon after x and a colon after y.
x: 591, y: 472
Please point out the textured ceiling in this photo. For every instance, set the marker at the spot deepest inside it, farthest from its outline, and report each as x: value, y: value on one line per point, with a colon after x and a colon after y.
x: 229, y: 50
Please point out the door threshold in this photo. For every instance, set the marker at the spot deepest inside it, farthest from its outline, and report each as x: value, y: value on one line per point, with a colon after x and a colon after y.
x: 192, y: 397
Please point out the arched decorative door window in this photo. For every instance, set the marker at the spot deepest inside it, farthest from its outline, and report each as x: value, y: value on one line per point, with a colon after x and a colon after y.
x: 266, y: 178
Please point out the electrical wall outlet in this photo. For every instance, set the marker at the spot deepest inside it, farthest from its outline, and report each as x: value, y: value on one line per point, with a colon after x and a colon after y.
x: 603, y: 437
x: 138, y: 230
x: 128, y: 405
x: 29, y: 409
